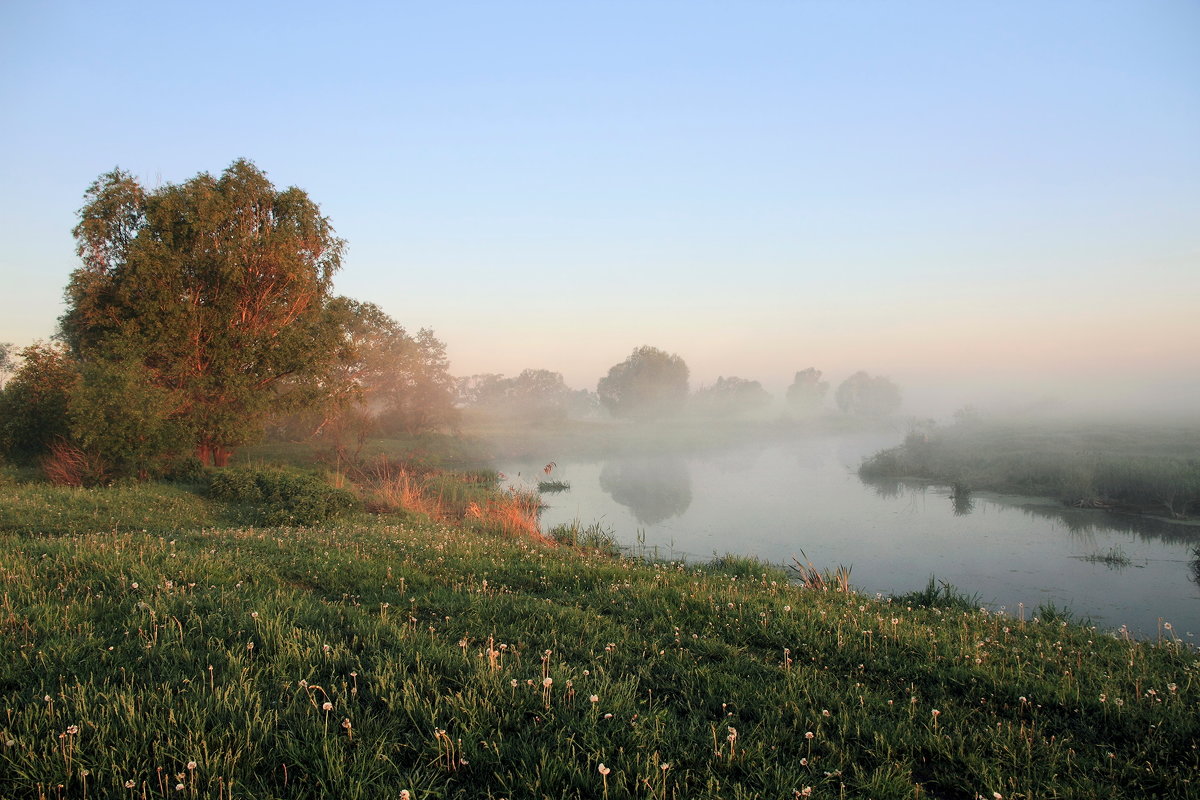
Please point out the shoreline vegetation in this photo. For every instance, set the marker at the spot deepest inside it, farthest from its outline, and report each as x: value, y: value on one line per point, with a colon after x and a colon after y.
x: 356, y: 628
x: 1147, y: 469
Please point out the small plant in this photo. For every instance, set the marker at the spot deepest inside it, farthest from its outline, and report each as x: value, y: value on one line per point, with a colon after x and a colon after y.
x: 592, y: 537
x: 939, y: 594
x: 553, y: 487
x: 1114, y: 558
x: 837, y: 580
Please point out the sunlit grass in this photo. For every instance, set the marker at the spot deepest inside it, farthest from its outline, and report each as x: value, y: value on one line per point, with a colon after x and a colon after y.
x: 359, y: 660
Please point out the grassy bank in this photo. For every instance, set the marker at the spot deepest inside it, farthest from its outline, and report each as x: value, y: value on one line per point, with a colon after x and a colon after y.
x: 1142, y: 468
x: 368, y: 656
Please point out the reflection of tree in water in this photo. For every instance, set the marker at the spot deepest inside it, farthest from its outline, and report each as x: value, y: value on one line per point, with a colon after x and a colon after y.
x: 1088, y: 521
x: 961, y: 497
x: 882, y: 486
x: 654, y: 489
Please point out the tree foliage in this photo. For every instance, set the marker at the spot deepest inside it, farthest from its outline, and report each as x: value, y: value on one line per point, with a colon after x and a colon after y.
x: 867, y: 395
x: 730, y: 397
x: 536, y: 395
x: 34, y: 402
x: 216, y: 286
x: 807, y: 392
x: 649, y: 384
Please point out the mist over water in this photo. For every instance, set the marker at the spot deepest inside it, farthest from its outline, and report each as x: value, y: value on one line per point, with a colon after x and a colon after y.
x: 801, y: 494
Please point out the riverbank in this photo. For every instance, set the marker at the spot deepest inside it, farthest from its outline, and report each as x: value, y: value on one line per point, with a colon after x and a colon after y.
x: 1147, y: 469
x: 384, y: 652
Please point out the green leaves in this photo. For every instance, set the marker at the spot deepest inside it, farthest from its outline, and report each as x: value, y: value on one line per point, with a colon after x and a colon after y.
x: 216, y: 286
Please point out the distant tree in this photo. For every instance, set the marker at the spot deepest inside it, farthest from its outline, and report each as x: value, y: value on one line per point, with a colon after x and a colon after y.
x: 536, y: 395
x: 482, y: 391
x: 730, y: 397
x: 869, y: 396
x: 217, y: 286
x: 807, y: 392
x: 420, y: 394
x: 33, y: 403
x: 648, y: 384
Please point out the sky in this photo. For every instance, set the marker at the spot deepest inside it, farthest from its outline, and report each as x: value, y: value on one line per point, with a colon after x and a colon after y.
x: 976, y: 199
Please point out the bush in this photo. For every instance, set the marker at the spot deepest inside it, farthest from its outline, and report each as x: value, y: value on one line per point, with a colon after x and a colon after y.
x: 282, y: 497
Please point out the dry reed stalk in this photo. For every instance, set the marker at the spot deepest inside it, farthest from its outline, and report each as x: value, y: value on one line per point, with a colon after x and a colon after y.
x: 67, y: 465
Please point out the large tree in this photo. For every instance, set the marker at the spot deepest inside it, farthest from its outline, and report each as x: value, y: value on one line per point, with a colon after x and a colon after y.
x: 868, y: 395
x: 730, y: 397
x: 650, y: 383
x: 807, y: 392
x: 217, y: 287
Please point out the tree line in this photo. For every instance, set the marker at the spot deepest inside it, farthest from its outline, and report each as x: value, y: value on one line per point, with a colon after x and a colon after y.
x: 653, y: 384
x: 201, y: 316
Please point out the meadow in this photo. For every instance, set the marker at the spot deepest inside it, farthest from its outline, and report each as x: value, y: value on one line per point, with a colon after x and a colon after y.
x: 426, y: 642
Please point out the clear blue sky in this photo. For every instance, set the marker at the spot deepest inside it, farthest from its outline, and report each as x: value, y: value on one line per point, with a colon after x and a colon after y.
x: 951, y: 193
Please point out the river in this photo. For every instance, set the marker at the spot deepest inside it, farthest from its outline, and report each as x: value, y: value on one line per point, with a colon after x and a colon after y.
x: 776, y: 501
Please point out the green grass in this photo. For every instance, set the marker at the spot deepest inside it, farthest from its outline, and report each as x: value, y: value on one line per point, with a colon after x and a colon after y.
x: 1148, y: 468
x: 204, y: 656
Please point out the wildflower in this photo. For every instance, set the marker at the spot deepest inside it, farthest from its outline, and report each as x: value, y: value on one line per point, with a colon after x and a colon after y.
x: 72, y: 730
x: 608, y: 716
x: 733, y: 734
x: 133, y: 585
x: 514, y: 682
x: 603, y: 769
x: 1171, y: 687
x: 665, y: 766
x: 47, y: 698
x: 804, y: 762
x: 806, y: 791
x: 179, y: 787
x: 1167, y: 626
x: 594, y: 699
x: 1103, y: 698
x: 404, y: 795
x: 809, y: 734
x: 547, y: 681
x: 191, y: 765
x: 825, y: 712
x: 936, y: 713
x: 328, y: 706
x: 129, y: 784
x: 10, y: 742
x: 787, y: 608
x: 346, y: 723
x: 253, y: 615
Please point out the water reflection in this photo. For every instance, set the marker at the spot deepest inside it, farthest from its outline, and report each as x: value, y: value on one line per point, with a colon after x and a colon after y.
x: 961, y: 498
x: 654, y: 489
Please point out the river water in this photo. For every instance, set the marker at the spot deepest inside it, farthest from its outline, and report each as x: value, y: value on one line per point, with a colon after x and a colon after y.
x: 777, y: 501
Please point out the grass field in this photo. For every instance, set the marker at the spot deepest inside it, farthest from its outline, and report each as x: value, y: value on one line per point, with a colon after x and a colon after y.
x: 159, y: 647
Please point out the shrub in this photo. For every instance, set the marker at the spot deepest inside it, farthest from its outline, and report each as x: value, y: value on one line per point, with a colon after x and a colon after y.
x: 282, y: 497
